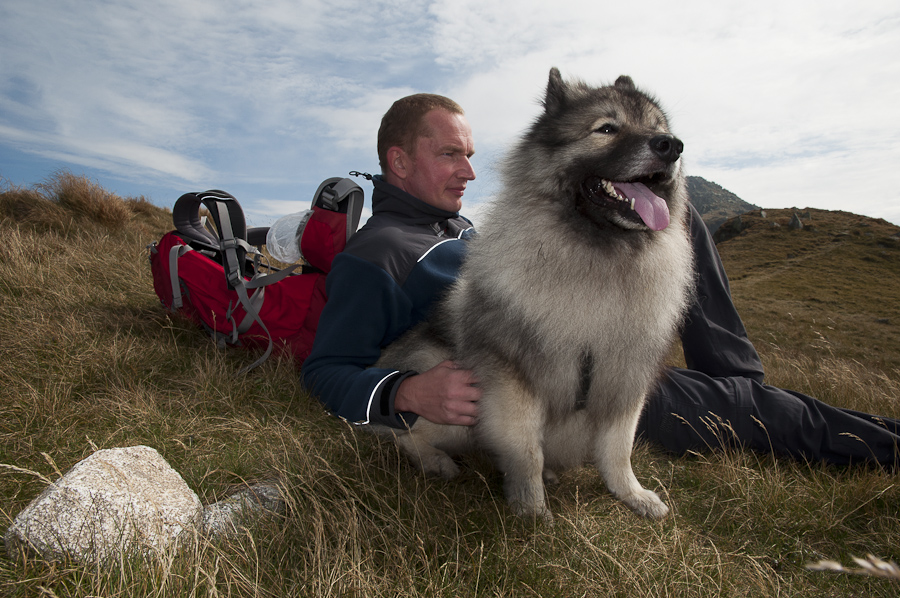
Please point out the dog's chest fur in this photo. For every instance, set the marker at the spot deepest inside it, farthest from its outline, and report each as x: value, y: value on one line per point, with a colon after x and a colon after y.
x: 597, y: 316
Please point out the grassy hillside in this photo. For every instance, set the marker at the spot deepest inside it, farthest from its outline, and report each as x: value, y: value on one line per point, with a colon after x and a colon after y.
x: 827, y: 292
x: 91, y: 360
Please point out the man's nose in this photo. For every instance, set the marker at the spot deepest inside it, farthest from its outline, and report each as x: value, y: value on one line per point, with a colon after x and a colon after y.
x: 467, y: 172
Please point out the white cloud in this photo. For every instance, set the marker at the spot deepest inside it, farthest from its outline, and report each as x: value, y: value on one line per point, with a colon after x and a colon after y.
x: 779, y: 99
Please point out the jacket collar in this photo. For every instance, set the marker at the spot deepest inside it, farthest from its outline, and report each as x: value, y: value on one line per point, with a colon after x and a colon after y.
x: 388, y: 199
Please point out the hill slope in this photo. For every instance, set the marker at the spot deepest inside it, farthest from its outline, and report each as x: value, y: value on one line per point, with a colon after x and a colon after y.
x: 715, y: 204
x: 832, y: 287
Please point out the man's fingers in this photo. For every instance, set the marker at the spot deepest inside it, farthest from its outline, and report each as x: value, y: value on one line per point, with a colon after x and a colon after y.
x: 461, y: 386
x: 469, y: 408
x: 468, y: 376
x: 462, y: 413
x: 462, y: 420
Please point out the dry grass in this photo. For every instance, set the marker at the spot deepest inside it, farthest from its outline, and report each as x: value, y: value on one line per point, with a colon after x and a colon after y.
x: 831, y: 289
x: 92, y: 360
x: 871, y: 565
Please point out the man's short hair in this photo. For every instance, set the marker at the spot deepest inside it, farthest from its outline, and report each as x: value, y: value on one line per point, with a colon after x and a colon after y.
x: 404, y: 123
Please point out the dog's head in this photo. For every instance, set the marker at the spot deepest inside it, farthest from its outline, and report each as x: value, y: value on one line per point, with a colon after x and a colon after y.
x: 609, y: 153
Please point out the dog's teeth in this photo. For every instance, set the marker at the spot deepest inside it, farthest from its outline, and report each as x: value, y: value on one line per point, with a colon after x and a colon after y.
x: 611, y: 190
x: 608, y: 187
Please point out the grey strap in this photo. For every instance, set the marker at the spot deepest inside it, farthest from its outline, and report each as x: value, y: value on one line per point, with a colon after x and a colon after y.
x: 252, y: 314
x: 176, y: 252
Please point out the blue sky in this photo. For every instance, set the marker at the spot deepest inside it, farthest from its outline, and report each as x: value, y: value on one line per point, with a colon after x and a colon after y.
x: 784, y: 102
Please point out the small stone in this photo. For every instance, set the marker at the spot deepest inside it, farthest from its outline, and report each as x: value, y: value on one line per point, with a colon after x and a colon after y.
x: 224, y: 518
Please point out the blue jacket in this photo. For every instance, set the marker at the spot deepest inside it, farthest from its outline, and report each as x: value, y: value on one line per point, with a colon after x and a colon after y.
x: 382, y: 284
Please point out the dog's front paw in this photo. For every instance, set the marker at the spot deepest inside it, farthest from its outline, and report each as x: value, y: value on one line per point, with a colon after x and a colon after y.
x: 646, y: 503
x: 430, y: 460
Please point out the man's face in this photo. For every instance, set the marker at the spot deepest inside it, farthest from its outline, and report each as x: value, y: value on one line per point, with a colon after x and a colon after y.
x: 440, y: 169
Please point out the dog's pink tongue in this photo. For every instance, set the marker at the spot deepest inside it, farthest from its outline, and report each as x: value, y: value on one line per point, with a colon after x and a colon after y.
x: 652, y: 209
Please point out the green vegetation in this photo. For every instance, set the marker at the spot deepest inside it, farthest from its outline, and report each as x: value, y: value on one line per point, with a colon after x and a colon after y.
x: 91, y: 360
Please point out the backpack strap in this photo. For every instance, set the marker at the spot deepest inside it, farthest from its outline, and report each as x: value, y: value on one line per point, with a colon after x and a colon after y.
x: 229, y: 222
x: 341, y: 195
x: 186, y: 216
x: 174, y: 253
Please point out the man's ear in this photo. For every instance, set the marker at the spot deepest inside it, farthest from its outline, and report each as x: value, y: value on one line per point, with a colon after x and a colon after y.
x: 398, y: 162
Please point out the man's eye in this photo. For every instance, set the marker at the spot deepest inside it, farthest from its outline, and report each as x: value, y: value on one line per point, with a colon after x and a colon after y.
x: 607, y: 129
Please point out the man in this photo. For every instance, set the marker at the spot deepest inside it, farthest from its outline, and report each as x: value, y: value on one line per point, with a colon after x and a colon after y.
x: 392, y: 269
x: 411, y: 249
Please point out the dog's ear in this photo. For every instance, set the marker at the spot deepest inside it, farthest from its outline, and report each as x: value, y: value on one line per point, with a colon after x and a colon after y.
x: 624, y: 82
x: 557, y: 92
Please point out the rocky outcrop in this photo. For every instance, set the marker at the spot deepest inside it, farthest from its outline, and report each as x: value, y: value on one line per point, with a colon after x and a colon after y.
x: 128, y: 501
x: 715, y: 204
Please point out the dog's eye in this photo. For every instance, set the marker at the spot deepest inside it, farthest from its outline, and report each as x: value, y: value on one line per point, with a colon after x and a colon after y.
x: 607, y: 129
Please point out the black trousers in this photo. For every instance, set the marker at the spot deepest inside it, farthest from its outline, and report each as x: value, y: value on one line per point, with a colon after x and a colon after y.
x: 721, y: 398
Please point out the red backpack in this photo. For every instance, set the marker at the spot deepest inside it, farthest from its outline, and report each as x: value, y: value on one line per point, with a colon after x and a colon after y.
x: 222, y: 281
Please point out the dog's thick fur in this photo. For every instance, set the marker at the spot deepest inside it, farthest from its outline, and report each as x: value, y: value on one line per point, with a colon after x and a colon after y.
x: 567, y: 302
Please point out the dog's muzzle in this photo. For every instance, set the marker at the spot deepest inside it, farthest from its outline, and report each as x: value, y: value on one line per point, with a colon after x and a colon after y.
x: 634, y: 201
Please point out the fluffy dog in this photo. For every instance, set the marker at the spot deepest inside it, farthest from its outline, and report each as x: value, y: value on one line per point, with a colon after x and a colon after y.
x: 569, y: 299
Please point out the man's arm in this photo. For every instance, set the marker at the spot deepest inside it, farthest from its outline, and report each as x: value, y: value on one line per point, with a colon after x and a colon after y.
x: 365, y: 308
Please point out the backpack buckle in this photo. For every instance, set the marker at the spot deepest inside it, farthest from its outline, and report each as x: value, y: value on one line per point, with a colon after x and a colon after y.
x: 329, y: 199
x: 226, y: 244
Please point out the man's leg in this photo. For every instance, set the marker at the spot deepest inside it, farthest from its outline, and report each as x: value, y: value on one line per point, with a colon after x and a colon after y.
x: 693, y: 411
x: 713, y: 338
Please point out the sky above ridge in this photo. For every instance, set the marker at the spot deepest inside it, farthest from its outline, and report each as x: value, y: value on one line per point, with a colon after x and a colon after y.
x: 787, y: 103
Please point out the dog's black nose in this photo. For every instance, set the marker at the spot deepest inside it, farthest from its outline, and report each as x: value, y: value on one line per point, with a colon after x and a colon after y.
x: 667, y: 147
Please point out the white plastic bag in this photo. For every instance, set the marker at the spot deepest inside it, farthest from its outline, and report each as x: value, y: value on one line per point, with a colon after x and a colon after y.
x: 283, y: 238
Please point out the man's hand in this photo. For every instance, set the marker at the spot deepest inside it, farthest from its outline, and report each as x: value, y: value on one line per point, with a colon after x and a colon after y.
x: 445, y: 394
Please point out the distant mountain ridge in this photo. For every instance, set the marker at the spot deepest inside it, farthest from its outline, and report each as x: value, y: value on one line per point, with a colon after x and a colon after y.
x: 715, y: 204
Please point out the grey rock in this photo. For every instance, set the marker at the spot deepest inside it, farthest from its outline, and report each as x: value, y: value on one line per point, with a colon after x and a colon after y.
x: 228, y: 516
x: 116, y: 502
